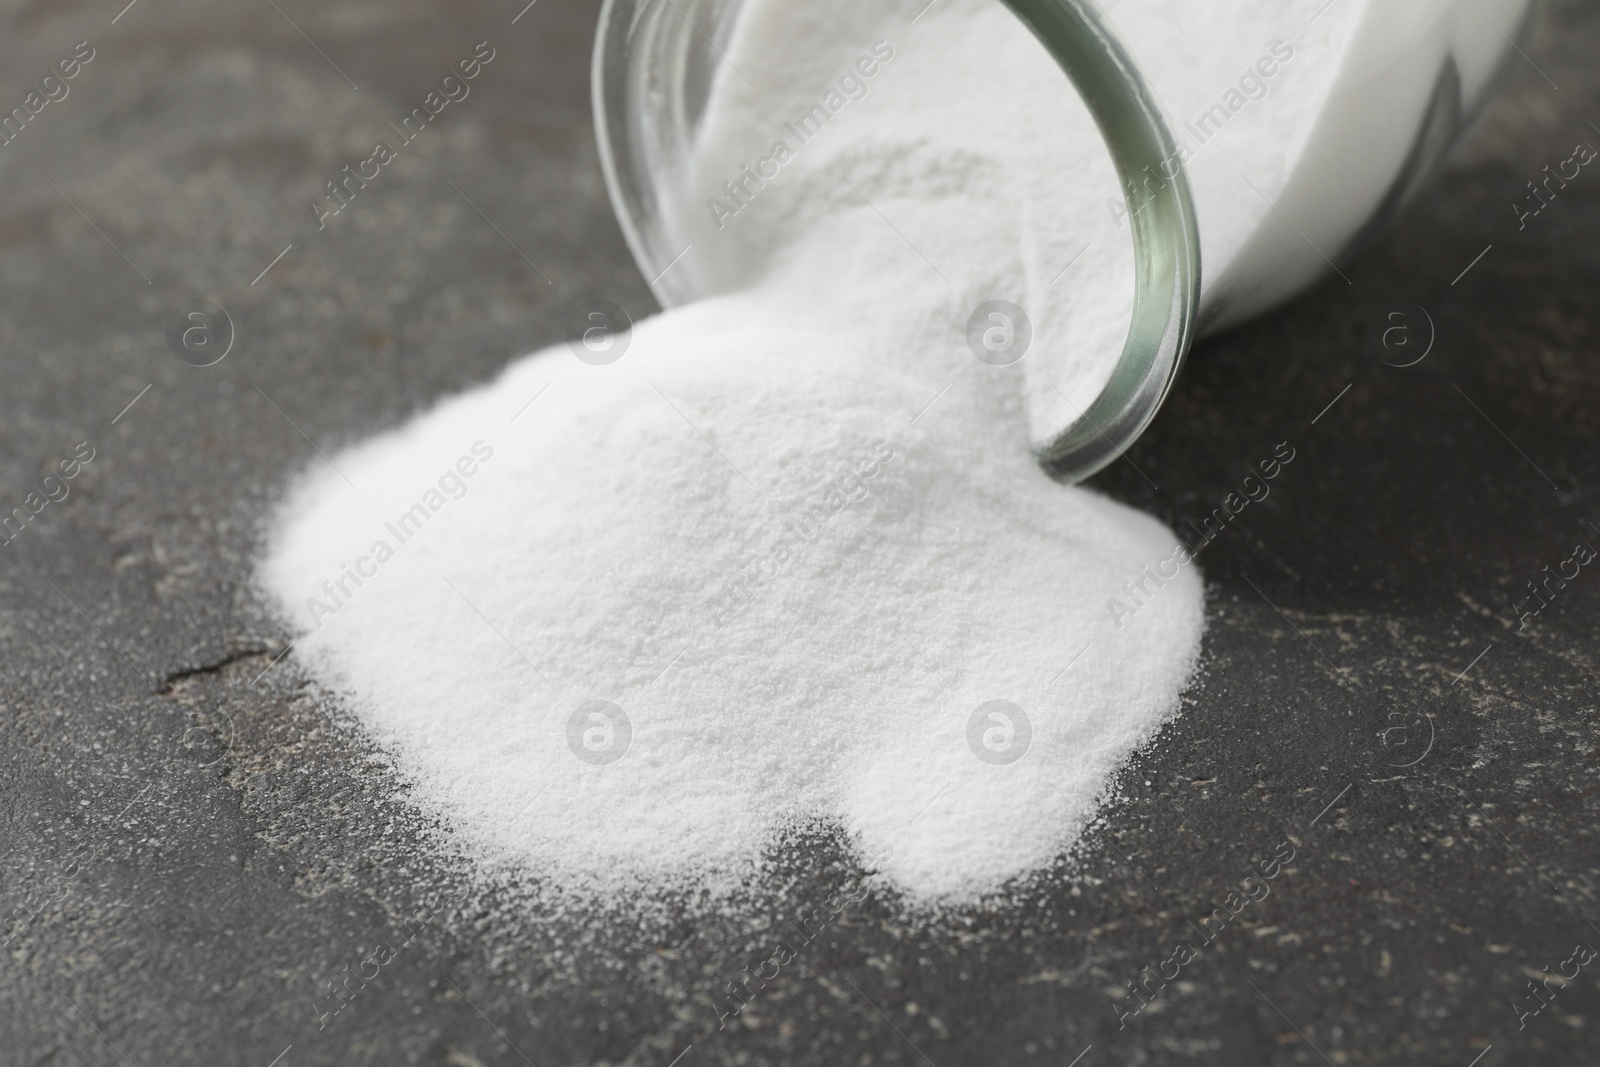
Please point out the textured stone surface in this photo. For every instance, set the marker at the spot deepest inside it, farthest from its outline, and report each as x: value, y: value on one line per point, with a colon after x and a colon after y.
x: 190, y: 849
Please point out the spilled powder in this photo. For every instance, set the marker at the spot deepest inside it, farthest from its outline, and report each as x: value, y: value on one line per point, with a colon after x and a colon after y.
x: 629, y: 627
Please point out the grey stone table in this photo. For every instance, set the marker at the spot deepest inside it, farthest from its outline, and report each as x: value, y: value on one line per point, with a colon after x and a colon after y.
x: 192, y: 846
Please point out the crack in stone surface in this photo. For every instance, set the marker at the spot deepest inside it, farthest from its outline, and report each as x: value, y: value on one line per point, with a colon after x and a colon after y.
x: 173, y: 679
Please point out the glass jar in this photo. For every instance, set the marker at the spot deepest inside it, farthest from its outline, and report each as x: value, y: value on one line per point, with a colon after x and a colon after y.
x: 1386, y: 89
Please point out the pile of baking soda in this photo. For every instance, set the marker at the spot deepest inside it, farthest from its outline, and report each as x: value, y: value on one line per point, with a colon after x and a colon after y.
x: 787, y: 564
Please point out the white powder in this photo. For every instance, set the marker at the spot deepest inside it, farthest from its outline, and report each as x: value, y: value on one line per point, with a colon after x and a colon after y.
x: 795, y: 535
x: 603, y: 540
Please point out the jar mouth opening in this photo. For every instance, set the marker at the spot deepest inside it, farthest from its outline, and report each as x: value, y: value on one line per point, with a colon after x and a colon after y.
x: 649, y: 88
